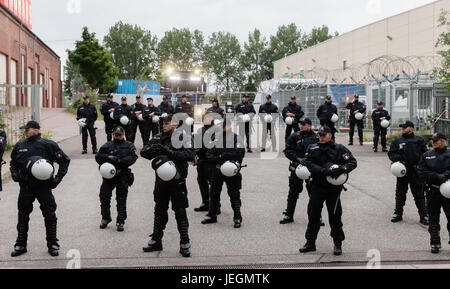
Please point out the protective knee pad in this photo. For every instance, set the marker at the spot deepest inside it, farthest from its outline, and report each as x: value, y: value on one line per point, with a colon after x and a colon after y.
x: 183, y: 225
x: 22, y: 229
x: 161, y: 219
x: 51, y: 229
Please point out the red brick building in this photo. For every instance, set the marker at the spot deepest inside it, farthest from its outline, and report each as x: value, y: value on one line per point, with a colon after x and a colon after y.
x: 25, y: 59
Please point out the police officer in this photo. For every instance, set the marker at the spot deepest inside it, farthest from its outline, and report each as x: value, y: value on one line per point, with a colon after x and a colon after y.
x: 107, y: 108
x: 215, y: 108
x: 121, y: 154
x: 151, y: 128
x: 378, y: 116
x: 89, y: 112
x: 356, y: 107
x: 25, y: 153
x: 137, y: 109
x: 165, y: 108
x: 124, y: 110
x: 320, y: 159
x: 160, y: 149
x: 187, y: 108
x: 3, y: 145
x: 227, y: 146
x: 295, y: 111
x: 325, y: 113
x: 268, y: 109
x: 434, y: 169
x: 295, y: 151
x: 408, y: 149
x: 245, y: 108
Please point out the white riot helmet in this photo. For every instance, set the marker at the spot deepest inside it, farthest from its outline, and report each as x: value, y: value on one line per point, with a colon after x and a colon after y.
x: 42, y: 169
x: 155, y: 119
x: 189, y: 121
x: 124, y: 120
x: 268, y: 118
x: 245, y: 118
x: 164, y: 115
x: 107, y: 171
x: 303, y: 173
x: 165, y: 168
x: 229, y: 169
x: 289, y: 120
x: 385, y: 124
x: 335, y: 118
x: 111, y: 115
x: 359, y: 116
x: 341, y: 180
x: 398, y: 169
x: 82, y: 122
x: 141, y: 117
x: 445, y: 189
x: 218, y: 122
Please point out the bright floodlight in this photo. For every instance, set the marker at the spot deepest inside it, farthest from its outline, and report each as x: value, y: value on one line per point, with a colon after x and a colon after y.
x: 197, y: 71
x: 169, y: 70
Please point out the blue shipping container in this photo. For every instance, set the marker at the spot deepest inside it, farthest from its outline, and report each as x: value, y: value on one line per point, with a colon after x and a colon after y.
x: 127, y: 87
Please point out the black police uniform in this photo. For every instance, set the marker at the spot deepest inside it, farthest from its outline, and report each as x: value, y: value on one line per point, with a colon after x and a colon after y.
x: 203, y: 168
x: 325, y: 113
x: 135, y: 123
x: 89, y: 112
x: 244, y: 128
x: 22, y: 155
x: 217, y: 110
x: 188, y: 109
x: 110, y: 123
x: 3, y: 144
x: 378, y: 129
x: 271, y: 109
x: 165, y: 108
x: 408, y: 149
x: 297, y: 110
x: 174, y: 191
x: 319, y: 158
x: 360, y: 107
x: 434, y: 169
x: 151, y: 128
x: 295, y: 151
x: 122, y: 154
x: 222, y: 152
x: 124, y: 110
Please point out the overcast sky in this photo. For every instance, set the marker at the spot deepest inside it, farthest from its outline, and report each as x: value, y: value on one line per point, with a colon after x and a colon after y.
x: 59, y: 23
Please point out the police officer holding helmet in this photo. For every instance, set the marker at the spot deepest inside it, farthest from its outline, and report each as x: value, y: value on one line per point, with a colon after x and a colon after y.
x: 137, y: 109
x: 170, y: 161
x: 246, y: 109
x: 408, y: 149
x: 151, y: 127
x: 294, y: 111
x: 107, y: 108
x: 378, y: 116
x: 326, y: 112
x: 88, y: 111
x: 121, y: 154
x: 187, y: 108
x: 327, y: 161
x: 124, y: 110
x: 356, y: 107
x: 269, y: 109
x: 434, y: 169
x: 31, y: 166
x: 166, y: 109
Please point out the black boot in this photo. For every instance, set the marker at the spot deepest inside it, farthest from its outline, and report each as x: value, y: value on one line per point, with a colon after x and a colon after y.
x: 94, y: 151
x: 309, y: 247
x: 153, y: 246
x: 84, y: 152
x: 203, y: 208
x: 424, y: 220
x: 435, y: 249
x: 237, y: 222
x: 236, y: 206
x: 397, y: 217
x: 322, y: 223
x: 182, y: 225
x: 104, y: 224
x: 50, y: 228
x: 20, y: 247
x: 53, y: 249
x: 290, y: 211
x: 18, y: 251
x: 287, y: 219
x: 209, y: 220
x: 120, y: 227
x: 385, y: 150
x: 375, y: 150
x: 184, y: 250
x: 337, y: 248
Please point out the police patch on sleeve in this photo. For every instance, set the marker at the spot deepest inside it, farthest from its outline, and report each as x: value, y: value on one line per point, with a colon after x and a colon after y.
x: 346, y: 157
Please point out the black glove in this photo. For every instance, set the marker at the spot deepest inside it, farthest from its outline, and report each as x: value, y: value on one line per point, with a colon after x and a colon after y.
x: 55, y: 182
x: 326, y: 172
x: 113, y: 159
x: 16, y: 177
x: 337, y: 172
x: 441, y: 178
x: 167, y: 150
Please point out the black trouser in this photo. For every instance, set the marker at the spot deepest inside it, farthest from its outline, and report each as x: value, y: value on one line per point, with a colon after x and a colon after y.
x: 415, y: 183
x: 109, y: 129
x: 234, y: 185
x: 434, y: 203
x: 204, y: 180
x: 379, y: 130
x: 331, y: 125
x: 289, y: 129
x: 150, y: 131
x: 270, y: 129
x: 27, y: 196
x: 244, y: 129
x: 360, y: 125
x: 176, y: 192
x: 295, y: 189
x: 91, y: 130
x: 120, y: 183
x: 329, y: 195
x: 142, y: 129
x: 128, y: 131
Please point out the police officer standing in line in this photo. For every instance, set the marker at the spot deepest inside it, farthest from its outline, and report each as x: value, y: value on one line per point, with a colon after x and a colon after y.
x: 295, y: 151
x: 294, y: 111
x: 121, y: 154
x: 356, y: 107
x: 25, y: 154
x: 408, y: 149
x: 325, y: 113
x: 166, y: 109
x: 161, y: 150
x: 107, y: 108
x: 434, y: 169
x: 137, y: 109
x: 3, y: 144
x: 228, y: 147
x: 215, y: 108
x: 245, y: 108
x: 151, y: 128
x: 88, y: 111
x: 320, y: 160
x: 124, y: 110
x: 378, y: 116
x: 187, y: 108
x: 268, y: 109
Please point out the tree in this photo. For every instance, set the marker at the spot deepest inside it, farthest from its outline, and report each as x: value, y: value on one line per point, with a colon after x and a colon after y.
x: 94, y: 63
x: 222, y: 57
x: 71, y: 71
x: 133, y: 50
x: 318, y: 35
x: 256, y: 60
x: 181, y: 48
x: 288, y: 40
x: 443, y: 72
